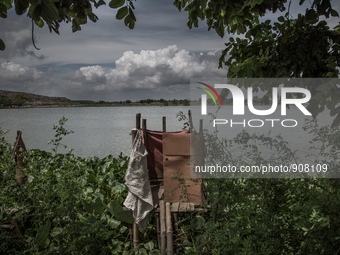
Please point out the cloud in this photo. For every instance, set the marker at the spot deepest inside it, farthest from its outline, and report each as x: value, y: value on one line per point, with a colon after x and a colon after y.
x: 16, y: 73
x: 163, y: 73
x: 150, y: 70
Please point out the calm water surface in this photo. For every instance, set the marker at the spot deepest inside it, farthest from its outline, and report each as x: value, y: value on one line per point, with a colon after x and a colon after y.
x: 98, y: 131
x: 101, y: 131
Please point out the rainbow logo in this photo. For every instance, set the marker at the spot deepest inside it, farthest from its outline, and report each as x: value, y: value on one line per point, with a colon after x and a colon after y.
x: 208, y: 92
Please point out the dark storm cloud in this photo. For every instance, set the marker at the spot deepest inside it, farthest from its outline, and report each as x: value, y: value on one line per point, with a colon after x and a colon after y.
x: 16, y: 32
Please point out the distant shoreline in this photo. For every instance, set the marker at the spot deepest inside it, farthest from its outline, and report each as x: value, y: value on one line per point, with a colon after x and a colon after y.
x: 89, y: 105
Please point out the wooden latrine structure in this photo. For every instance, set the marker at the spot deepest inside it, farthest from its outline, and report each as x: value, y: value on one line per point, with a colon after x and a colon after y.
x: 168, y: 159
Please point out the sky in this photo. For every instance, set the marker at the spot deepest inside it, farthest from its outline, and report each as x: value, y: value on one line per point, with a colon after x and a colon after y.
x: 108, y: 61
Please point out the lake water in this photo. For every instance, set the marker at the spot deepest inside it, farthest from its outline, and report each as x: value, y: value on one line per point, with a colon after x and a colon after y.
x: 100, y: 131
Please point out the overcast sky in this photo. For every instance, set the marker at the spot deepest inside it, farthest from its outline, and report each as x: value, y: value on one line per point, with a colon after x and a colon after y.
x: 108, y: 61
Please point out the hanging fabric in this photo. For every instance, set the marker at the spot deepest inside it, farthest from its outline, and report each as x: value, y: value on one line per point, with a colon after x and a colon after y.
x: 139, y: 198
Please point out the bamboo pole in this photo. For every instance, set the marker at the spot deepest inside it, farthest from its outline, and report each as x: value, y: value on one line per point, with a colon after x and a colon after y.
x: 201, y: 126
x: 168, y: 229
x: 134, y: 229
x: 158, y: 230
x: 131, y: 234
x: 163, y: 226
x: 135, y: 235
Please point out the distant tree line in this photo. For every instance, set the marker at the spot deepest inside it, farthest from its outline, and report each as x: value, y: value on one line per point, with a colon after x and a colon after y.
x: 18, y: 99
x: 162, y: 101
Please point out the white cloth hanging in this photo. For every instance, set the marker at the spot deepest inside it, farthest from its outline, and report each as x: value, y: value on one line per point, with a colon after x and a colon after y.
x: 139, y: 198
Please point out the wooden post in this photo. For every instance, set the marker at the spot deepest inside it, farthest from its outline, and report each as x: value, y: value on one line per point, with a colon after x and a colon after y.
x: 163, y: 226
x: 168, y: 230
x: 18, y: 149
x: 201, y: 126
x: 164, y: 124
x: 138, y: 116
x: 190, y: 121
x: 144, y: 131
x: 133, y: 133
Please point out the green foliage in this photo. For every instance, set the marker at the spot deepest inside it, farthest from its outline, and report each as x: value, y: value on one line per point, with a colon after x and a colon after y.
x: 19, y: 99
x: 5, y: 101
x: 182, y: 117
x: 68, y: 205
x: 290, y: 47
x: 54, y: 12
x: 304, y: 46
x: 60, y: 132
x: 268, y: 216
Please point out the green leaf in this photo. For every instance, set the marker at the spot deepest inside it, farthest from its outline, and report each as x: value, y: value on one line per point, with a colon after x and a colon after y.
x: 39, y: 23
x: 118, y: 212
x: 42, y: 234
x: 128, y: 20
x: 21, y: 6
x: 98, y: 195
x: 133, y: 17
x: 118, y: 188
x: 97, y: 206
x: 142, y: 251
x: 35, y: 11
x: 123, y: 229
x: 116, y: 3
x: 56, y: 231
x: 149, y: 246
x: 2, y: 45
x: 155, y: 252
x: 49, y: 11
x: 336, y: 122
x: 281, y: 19
x: 131, y: 25
x: 198, y: 222
x: 122, y: 12
x: 335, y: 111
x: 113, y: 223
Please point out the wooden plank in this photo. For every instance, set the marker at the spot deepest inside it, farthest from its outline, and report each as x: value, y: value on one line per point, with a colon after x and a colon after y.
x: 168, y: 230
x: 160, y: 192
x: 174, y: 207
x: 184, y: 207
